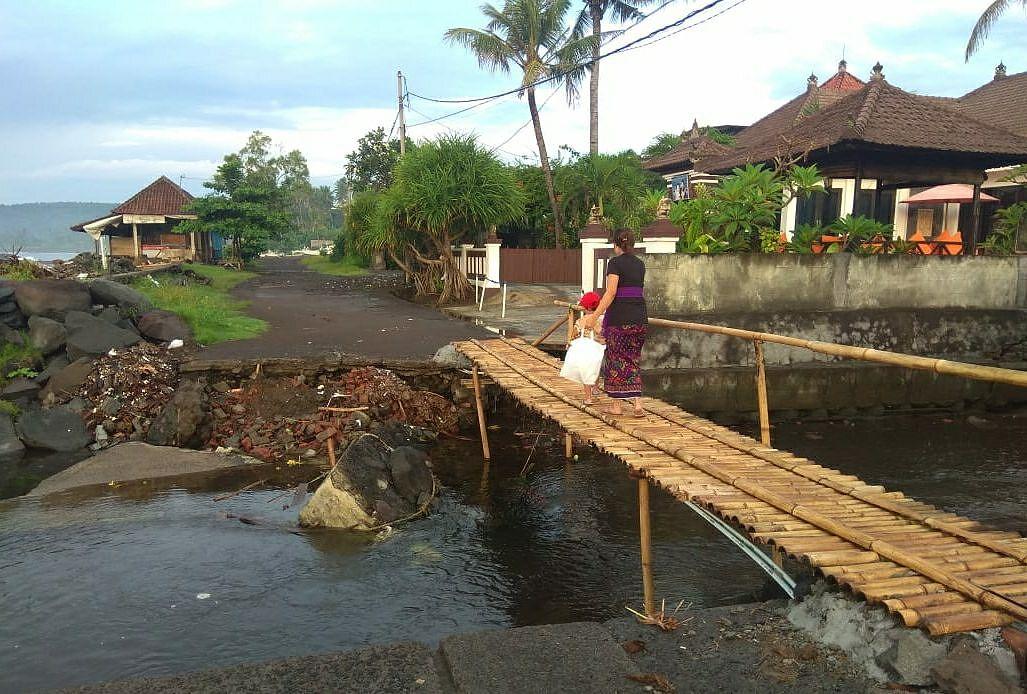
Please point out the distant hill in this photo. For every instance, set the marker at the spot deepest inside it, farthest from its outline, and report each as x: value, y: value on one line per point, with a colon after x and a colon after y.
x: 43, y: 226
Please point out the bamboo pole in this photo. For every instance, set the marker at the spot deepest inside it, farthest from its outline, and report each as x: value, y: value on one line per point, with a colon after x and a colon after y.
x: 570, y: 325
x: 331, y: 451
x: 761, y: 393
x: 481, y: 414
x: 568, y: 445
x: 549, y: 331
x: 873, y: 548
x: 645, y: 539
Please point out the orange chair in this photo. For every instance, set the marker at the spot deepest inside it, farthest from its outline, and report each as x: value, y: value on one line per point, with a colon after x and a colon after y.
x: 922, y: 246
x: 949, y: 243
x: 825, y: 243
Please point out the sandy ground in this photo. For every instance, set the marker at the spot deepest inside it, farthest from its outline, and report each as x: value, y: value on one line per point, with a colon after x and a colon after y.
x: 311, y: 314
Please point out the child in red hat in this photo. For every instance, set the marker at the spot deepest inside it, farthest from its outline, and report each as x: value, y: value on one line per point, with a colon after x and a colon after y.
x: 590, y: 302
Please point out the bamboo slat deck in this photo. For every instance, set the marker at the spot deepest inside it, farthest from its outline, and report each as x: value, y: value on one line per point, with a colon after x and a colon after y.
x: 934, y: 570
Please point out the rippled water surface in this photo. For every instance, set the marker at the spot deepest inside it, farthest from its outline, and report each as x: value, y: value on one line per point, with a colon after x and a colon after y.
x: 113, y: 586
x: 155, y: 579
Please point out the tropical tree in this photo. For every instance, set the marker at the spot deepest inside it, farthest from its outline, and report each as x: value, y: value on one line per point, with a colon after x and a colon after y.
x: 612, y: 183
x: 445, y: 191
x: 987, y: 20
x: 255, y: 198
x: 532, y: 36
x: 370, y: 165
x: 590, y: 20
x: 661, y: 144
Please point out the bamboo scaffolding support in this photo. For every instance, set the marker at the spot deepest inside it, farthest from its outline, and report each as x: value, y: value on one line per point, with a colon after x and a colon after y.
x: 571, y: 319
x: 331, y: 450
x: 761, y: 393
x: 645, y: 541
x: 482, y: 427
x: 568, y: 445
x: 832, y: 478
x: 873, y: 548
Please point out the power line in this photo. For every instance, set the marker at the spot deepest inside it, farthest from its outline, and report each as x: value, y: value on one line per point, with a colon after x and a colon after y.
x: 558, y: 75
x: 525, y: 125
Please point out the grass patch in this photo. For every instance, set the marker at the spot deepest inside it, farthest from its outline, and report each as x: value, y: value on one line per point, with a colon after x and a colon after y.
x: 222, y: 278
x: 18, y: 360
x: 213, y: 315
x: 327, y: 266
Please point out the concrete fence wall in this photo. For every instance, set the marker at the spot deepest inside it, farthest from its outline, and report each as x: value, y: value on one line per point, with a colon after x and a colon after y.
x: 678, y: 284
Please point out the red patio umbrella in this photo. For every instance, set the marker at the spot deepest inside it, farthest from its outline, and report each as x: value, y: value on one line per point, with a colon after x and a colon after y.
x: 951, y: 192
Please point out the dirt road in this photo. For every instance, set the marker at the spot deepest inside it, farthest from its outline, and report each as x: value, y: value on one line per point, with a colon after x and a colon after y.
x: 311, y: 314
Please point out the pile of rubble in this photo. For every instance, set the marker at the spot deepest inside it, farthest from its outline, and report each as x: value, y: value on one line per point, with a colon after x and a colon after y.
x: 278, y: 419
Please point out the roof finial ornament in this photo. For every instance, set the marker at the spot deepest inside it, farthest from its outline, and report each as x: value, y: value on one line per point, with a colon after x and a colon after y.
x: 593, y: 215
x: 1000, y: 70
x: 878, y: 73
x: 811, y: 81
x: 663, y: 209
x: 843, y: 66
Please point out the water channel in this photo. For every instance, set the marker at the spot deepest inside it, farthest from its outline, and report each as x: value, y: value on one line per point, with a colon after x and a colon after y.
x: 155, y: 579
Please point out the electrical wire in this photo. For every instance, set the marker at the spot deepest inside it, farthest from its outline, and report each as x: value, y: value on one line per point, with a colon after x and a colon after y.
x: 525, y: 125
x: 558, y: 75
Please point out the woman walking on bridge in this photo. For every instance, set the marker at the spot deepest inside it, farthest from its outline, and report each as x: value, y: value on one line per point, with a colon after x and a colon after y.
x: 624, y: 325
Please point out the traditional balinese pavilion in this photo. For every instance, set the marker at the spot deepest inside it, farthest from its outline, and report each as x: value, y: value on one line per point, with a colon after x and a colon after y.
x: 143, y: 227
x: 876, y: 145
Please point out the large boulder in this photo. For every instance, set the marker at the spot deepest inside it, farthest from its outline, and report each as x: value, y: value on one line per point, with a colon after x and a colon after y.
x: 374, y: 482
x: 46, y: 334
x: 164, y: 326
x: 66, y: 380
x: 20, y: 390
x: 56, y: 429
x: 11, y: 447
x: 965, y: 670
x: 184, y: 421
x: 52, y: 298
x: 92, y: 336
x: 110, y: 293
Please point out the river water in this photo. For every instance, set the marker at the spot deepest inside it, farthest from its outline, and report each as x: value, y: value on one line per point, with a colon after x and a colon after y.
x: 155, y: 579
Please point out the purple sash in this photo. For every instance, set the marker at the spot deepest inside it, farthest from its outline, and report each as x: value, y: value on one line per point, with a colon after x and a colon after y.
x: 629, y: 293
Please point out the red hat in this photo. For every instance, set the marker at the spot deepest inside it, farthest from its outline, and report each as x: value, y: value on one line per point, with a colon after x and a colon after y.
x: 590, y: 302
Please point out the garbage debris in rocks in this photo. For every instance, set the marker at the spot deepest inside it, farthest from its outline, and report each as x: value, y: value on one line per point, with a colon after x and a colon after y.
x: 127, y: 390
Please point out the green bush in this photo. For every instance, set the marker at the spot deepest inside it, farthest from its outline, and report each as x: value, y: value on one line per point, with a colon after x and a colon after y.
x: 1002, y: 239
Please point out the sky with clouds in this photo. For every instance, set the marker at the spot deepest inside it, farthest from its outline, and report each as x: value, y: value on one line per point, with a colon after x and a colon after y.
x: 102, y: 96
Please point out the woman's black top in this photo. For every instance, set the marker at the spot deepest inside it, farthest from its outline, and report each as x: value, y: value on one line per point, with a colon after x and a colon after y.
x: 631, y: 273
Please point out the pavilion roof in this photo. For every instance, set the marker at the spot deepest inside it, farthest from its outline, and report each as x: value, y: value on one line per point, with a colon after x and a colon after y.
x: 163, y: 197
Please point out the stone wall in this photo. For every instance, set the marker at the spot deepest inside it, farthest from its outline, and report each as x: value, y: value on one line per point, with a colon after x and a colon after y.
x: 753, y: 282
x: 958, y: 334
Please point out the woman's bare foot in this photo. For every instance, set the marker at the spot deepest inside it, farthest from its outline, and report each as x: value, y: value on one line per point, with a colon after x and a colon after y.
x: 614, y: 410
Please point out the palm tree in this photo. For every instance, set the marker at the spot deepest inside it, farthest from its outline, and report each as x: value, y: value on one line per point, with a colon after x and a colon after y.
x: 591, y: 18
x: 987, y: 20
x: 531, y: 35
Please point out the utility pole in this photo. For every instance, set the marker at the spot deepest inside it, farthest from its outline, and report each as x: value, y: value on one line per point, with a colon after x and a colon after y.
x: 402, y: 119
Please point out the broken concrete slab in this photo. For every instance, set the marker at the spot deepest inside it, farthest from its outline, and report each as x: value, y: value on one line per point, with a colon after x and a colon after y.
x: 396, y: 669
x: 137, y: 461
x: 576, y: 657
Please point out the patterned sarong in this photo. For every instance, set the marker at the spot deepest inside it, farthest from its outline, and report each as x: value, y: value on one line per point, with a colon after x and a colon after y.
x: 621, y: 375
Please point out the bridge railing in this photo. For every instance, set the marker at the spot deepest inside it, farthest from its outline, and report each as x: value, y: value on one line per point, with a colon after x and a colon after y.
x: 978, y: 372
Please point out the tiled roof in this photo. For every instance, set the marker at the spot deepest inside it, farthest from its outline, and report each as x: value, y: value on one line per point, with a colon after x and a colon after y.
x: 691, y: 149
x: 163, y: 196
x: 1001, y: 102
x: 878, y: 114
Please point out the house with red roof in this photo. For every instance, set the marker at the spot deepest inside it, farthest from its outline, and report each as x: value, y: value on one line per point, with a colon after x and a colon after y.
x: 143, y: 227
x: 877, y: 145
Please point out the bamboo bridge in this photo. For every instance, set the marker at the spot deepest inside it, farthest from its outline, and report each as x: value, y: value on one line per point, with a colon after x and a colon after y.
x: 935, y: 570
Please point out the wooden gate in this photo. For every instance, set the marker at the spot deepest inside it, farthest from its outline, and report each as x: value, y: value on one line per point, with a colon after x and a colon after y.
x: 540, y: 265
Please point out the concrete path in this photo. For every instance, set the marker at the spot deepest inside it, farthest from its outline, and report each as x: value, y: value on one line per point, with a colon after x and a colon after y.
x: 744, y: 648
x: 137, y: 461
x: 311, y: 314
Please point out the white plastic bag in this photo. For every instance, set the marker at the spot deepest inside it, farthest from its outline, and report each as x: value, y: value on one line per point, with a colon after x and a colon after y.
x: 583, y: 361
